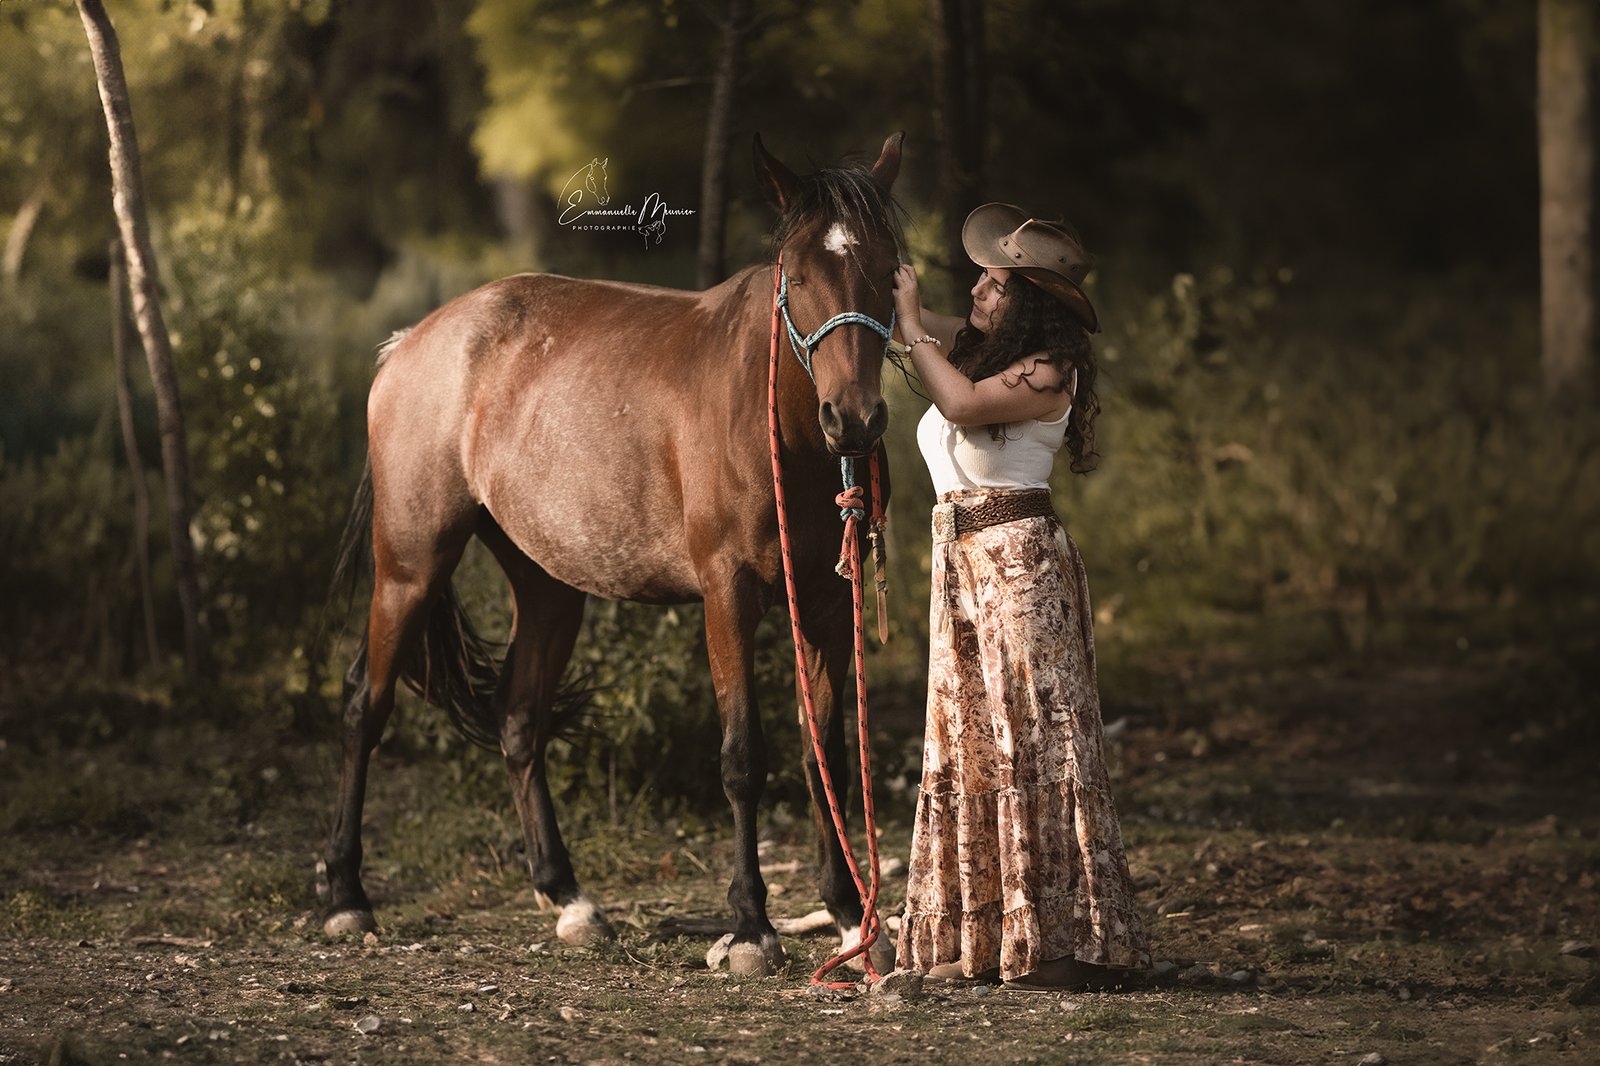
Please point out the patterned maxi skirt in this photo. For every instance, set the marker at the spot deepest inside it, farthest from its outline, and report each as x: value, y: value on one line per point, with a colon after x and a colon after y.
x: 1016, y: 855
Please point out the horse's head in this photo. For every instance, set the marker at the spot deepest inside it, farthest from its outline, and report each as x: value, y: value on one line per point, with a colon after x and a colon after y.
x: 596, y: 180
x: 839, y: 245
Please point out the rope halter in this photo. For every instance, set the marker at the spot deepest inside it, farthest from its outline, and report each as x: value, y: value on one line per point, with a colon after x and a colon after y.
x: 849, y: 505
x: 803, y: 346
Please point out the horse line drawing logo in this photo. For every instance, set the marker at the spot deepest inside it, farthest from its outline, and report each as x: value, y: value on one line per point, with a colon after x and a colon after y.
x: 585, y: 205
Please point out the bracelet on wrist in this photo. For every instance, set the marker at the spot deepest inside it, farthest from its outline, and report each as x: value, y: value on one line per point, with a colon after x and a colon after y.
x: 926, y: 338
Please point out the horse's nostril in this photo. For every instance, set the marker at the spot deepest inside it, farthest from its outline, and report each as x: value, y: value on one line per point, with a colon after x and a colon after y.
x: 878, y: 421
x: 832, y: 424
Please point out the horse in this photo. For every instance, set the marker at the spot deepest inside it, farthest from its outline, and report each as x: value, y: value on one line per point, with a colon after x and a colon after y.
x: 572, y: 193
x: 604, y: 439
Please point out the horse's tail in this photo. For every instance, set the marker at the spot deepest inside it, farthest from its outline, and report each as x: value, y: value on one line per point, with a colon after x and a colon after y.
x: 455, y: 669
x: 352, y: 563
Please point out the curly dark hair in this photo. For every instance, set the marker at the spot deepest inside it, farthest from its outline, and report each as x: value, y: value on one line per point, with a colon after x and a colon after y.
x: 1036, y: 322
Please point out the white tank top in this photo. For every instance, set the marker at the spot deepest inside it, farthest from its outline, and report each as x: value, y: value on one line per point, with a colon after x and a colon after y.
x: 967, y: 457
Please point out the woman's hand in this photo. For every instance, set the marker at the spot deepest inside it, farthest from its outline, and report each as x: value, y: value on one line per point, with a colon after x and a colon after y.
x: 907, y: 301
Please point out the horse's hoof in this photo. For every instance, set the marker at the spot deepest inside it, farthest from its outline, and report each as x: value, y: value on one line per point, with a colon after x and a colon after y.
x: 349, y: 921
x: 582, y: 925
x: 746, y: 958
x: 881, y: 951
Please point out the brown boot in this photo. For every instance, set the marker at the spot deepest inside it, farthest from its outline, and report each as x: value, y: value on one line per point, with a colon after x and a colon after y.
x: 1068, y: 975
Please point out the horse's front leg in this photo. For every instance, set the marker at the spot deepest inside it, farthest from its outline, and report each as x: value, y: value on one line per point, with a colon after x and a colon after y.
x: 733, y: 608
x: 826, y: 647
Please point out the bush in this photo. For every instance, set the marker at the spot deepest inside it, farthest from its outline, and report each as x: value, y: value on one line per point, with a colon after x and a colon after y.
x: 1253, y: 464
x: 269, y: 491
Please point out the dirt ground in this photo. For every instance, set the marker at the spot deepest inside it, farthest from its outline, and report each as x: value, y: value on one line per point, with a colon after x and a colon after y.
x: 1391, y: 858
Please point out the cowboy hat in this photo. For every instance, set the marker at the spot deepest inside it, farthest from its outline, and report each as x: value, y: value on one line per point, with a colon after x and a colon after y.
x: 1002, y: 235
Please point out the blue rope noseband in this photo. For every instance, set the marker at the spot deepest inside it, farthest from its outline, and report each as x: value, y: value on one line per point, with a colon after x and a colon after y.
x: 804, y: 346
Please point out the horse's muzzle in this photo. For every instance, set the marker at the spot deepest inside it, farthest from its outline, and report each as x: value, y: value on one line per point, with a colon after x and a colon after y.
x: 849, y: 434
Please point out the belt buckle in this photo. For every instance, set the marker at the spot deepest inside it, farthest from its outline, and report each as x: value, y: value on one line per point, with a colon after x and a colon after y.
x: 944, y: 523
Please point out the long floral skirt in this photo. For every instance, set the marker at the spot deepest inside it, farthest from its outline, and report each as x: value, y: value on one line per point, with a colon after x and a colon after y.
x: 1016, y: 855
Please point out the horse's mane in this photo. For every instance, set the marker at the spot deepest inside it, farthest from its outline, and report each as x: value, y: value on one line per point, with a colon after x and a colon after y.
x: 845, y: 193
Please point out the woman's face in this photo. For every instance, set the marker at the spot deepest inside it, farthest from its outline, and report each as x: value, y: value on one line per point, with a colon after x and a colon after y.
x: 988, y: 298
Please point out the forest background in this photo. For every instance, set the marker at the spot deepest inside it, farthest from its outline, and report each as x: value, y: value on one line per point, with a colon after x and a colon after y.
x: 1325, y: 434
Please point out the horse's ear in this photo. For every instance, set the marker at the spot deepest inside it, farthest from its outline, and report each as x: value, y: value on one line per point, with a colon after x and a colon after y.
x: 887, y: 168
x: 777, y: 181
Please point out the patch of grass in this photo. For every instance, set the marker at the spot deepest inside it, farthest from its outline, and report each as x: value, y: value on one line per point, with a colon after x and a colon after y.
x: 276, y: 884
x: 34, y: 912
x: 1102, y: 1017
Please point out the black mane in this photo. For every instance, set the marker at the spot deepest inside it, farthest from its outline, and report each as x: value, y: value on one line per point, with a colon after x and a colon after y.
x: 845, y: 193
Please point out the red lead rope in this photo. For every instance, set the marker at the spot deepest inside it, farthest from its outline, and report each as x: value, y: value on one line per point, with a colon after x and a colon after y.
x: 850, y: 567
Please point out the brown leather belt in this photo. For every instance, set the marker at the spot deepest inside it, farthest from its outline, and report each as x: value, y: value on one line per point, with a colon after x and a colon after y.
x: 954, y: 519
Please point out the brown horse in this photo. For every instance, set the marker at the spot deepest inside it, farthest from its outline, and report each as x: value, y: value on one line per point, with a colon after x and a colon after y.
x: 608, y: 439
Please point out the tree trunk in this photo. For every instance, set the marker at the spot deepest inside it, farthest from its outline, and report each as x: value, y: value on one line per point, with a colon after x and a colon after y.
x: 961, y: 101
x: 21, y: 230
x: 140, y: 548
x: 711, y: 264
x: 527, y: 222
x: 1566, y: 197
x: 127, y: 199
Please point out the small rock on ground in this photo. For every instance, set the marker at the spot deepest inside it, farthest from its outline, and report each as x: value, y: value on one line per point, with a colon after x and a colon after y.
x: 1372, y: 1058
x: 907, y: 984
x: 718, y: 953
x: 1579, y: 948
x: 370, y: 1024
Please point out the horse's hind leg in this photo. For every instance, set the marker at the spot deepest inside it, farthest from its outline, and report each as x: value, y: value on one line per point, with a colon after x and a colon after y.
x: 403, y: 589
x: 548, y: 616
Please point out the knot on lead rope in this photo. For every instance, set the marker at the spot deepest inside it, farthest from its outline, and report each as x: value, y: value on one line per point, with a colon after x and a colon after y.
x: 852, y: 508
x: 852, y: 502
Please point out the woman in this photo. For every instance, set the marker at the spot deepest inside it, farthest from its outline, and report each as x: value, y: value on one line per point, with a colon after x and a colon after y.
x: 1017, y: 865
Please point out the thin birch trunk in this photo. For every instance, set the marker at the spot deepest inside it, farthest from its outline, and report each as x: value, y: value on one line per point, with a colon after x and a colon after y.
x: 21, y: 230
x: 127, y: 200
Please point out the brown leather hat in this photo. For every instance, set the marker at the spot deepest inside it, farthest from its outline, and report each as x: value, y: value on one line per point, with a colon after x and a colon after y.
x: 1002, y: 235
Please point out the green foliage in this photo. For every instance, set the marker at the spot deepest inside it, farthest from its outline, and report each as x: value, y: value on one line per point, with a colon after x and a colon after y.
x: 267, y: 485
x: 65, y: 531
x: 558, y: 68
x: 1252, y: 466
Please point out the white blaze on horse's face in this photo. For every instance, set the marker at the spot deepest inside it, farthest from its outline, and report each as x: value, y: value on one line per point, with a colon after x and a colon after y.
x: 839, y: 240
